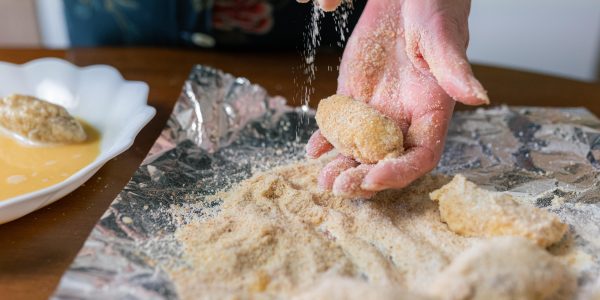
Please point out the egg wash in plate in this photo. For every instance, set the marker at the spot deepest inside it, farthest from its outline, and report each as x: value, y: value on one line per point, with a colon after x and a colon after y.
x: 25, y: 168
x: 96, y: 94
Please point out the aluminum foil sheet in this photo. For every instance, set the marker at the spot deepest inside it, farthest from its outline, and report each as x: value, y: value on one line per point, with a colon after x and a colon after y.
x: 223, y: 129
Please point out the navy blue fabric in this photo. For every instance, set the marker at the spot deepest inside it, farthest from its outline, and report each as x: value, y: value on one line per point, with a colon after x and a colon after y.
x: 121, y: 22
x: 235, y: 24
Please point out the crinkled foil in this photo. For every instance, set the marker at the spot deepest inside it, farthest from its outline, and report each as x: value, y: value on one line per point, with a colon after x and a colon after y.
x: 223, y: 129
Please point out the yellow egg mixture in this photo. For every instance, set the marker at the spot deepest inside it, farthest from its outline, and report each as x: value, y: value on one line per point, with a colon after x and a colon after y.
x: 25, y: 169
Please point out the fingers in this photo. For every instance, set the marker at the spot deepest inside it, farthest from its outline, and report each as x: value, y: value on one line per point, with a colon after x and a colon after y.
x: 333, y: 170
x: 348, y: 183
x: 425, y: 144
x: 439, y: 42
x: 329, y: 5
x: 317, y: 145
x: 400, y: 172
x: 453, y: 72
x: 365, y: 55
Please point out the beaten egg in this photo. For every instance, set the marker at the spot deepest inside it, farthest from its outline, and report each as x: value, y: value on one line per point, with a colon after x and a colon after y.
x: 26, y: 168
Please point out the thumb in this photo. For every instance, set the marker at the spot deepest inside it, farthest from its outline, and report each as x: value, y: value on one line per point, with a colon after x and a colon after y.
x: 440, y: 46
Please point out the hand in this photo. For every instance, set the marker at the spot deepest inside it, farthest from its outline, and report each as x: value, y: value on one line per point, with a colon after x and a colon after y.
x: 406, y: 58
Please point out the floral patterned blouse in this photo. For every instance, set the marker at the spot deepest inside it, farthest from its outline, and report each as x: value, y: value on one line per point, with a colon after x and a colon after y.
x: 235, y: 24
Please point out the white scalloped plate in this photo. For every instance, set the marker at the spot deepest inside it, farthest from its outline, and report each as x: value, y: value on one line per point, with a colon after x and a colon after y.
x: 97, y: 94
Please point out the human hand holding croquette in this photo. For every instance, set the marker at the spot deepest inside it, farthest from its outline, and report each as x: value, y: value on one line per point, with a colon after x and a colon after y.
x: 407, y: 60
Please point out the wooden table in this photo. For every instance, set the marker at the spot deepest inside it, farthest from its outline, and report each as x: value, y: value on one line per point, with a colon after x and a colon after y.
x: 36, y: 249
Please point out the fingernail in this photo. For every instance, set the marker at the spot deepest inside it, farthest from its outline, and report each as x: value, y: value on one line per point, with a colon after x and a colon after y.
x: 369, y: 184
x: 482, y: 94
x: 479, y: 91
x: 321, y: 189
x: 338, y: 193
x: 342, y: 188
x: 321, y: 186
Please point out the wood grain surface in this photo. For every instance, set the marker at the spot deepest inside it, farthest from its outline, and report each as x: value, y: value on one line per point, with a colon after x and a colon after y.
x: 36, y: 249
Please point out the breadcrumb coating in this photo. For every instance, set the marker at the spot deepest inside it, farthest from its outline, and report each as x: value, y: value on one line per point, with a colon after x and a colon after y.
x: 39, y: 121
x: 357, y: 130
x: 472, y: 211
x: 504, y: 268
